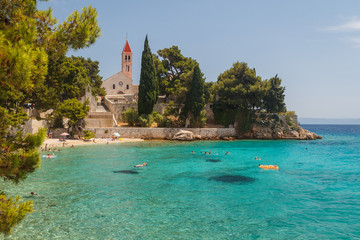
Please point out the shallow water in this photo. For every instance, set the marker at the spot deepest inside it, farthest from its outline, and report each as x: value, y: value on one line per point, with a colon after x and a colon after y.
x: 96, y: 193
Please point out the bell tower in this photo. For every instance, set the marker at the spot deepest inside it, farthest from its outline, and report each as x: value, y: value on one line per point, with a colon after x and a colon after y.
x: 127, y: 60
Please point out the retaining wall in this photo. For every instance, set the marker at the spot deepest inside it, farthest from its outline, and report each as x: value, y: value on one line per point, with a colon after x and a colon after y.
x: 161, y: 133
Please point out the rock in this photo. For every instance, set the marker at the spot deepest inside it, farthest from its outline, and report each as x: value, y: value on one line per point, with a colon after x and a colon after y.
x: 183, y: 135
x: 225, y: 138
x: 197, y: 137
x: 231, y: 138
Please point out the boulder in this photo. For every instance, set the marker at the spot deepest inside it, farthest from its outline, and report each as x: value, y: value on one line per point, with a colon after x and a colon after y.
x: 197, y: 137
x: 183, y: 135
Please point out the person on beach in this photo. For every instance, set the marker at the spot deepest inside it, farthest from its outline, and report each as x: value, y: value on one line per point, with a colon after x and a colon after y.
x: 45, y: 147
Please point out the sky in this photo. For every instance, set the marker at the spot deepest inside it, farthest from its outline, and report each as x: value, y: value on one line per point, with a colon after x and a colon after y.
x: 313, y: 46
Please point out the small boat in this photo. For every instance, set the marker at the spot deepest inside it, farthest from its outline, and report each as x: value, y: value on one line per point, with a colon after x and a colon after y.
x: 275, y: 167
x: 141, y: 165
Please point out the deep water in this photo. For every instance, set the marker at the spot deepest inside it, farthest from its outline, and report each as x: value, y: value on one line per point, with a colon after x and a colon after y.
x: 96, y: 193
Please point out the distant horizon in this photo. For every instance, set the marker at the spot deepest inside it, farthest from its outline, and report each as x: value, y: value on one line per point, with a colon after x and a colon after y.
x: 329, y: 121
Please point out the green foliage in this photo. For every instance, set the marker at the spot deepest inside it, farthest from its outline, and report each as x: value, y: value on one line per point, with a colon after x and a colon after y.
x: 199, y: 121
x: 239, y: 88
x: 274, y: 96
x: 30, y: 40
x: 162, y: 120
x: 130, y: 116
x: 209, y: 92
x: 145, y: 120
x: 288, y: 113
x: 148, y: 88
x: 19, y: 155
x: 67, y: 78
x: 12, y: 212
x: 88, y: 134
x: 74, y: 110
x: 174, y: 73
x: 244, y: 120
x: 195, y: 101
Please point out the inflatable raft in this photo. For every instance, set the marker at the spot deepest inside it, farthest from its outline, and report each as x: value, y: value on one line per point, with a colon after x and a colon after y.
x: 269, y: 167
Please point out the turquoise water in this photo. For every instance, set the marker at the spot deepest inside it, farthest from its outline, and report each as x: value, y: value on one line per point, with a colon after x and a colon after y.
x: 184, y: 195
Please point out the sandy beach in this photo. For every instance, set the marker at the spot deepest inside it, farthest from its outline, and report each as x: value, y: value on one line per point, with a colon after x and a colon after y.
x: 55, y: 143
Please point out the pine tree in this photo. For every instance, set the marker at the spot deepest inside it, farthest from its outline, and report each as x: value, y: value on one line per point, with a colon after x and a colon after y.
x: 274, y: 100
x: 195, y: 100
x: 148, y: 89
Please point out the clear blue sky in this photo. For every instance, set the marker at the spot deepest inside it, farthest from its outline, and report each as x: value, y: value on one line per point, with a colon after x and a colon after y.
x: 313, y: 46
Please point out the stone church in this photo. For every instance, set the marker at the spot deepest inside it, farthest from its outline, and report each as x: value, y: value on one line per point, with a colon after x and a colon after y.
x: 122, y: 83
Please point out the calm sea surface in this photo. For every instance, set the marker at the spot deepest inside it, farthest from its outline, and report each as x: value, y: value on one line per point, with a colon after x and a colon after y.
x: 184, y: 195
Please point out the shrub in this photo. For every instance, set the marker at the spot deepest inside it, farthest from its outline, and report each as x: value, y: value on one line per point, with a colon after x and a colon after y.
x: 130, y: 116
x: 199, y: 121
x: 288, y: 113
x: 262, y: 115
x: 88, y: 134
x: 145, y: 120
x: 275, y: 117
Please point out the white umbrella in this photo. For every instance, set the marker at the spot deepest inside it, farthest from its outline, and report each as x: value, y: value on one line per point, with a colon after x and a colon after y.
x: 116, y: 134
x: 64, y: 134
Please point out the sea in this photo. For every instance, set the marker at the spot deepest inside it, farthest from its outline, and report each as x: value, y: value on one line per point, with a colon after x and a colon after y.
x: 95, y: 192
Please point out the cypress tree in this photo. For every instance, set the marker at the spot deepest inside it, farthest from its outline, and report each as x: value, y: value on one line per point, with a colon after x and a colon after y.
x: 195, y: 100
x: 148, y: 88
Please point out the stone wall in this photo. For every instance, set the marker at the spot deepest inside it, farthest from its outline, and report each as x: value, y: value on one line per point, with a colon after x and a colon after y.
x: 118, y: 107
x: 32, y: 126
x: 161, y: 133
x: 91, y: 98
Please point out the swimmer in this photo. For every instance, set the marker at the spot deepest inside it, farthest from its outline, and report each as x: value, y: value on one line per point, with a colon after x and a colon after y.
x: 141, y: 165
x: 227, y: 153
x: 34, y: 194
x: 72, y: 146
x: 256, y: 159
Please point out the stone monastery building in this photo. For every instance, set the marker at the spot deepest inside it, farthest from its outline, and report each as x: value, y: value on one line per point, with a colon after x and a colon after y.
x: 122, y: 82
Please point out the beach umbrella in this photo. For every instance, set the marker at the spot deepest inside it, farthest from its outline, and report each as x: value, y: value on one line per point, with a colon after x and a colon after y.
x: 117, y: 135
x: 64, y: 134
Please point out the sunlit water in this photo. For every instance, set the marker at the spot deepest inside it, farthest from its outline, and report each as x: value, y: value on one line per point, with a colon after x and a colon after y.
x: 184, y: 195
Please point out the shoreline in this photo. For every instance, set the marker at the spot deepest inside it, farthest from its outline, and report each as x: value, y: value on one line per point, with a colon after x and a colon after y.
x: 54, y: 142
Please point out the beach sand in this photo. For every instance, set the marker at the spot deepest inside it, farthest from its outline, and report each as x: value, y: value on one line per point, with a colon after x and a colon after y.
x: 54, y: 142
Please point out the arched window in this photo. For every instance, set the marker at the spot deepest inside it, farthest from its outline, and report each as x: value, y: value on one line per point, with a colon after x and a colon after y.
x: 129, y: 58
x: 128, y: 68
x: 125, y: 58
x: 127, y: 86
x: 113, y: 86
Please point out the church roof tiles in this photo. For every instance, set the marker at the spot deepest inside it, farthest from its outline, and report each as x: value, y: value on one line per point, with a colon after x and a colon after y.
x: 127, y: 47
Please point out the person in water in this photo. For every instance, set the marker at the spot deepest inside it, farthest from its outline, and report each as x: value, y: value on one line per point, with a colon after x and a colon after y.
x: 227, y: 153
x: 34, y: 194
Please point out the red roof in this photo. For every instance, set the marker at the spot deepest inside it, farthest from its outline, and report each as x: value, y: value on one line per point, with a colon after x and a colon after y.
x: 127, y: 47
